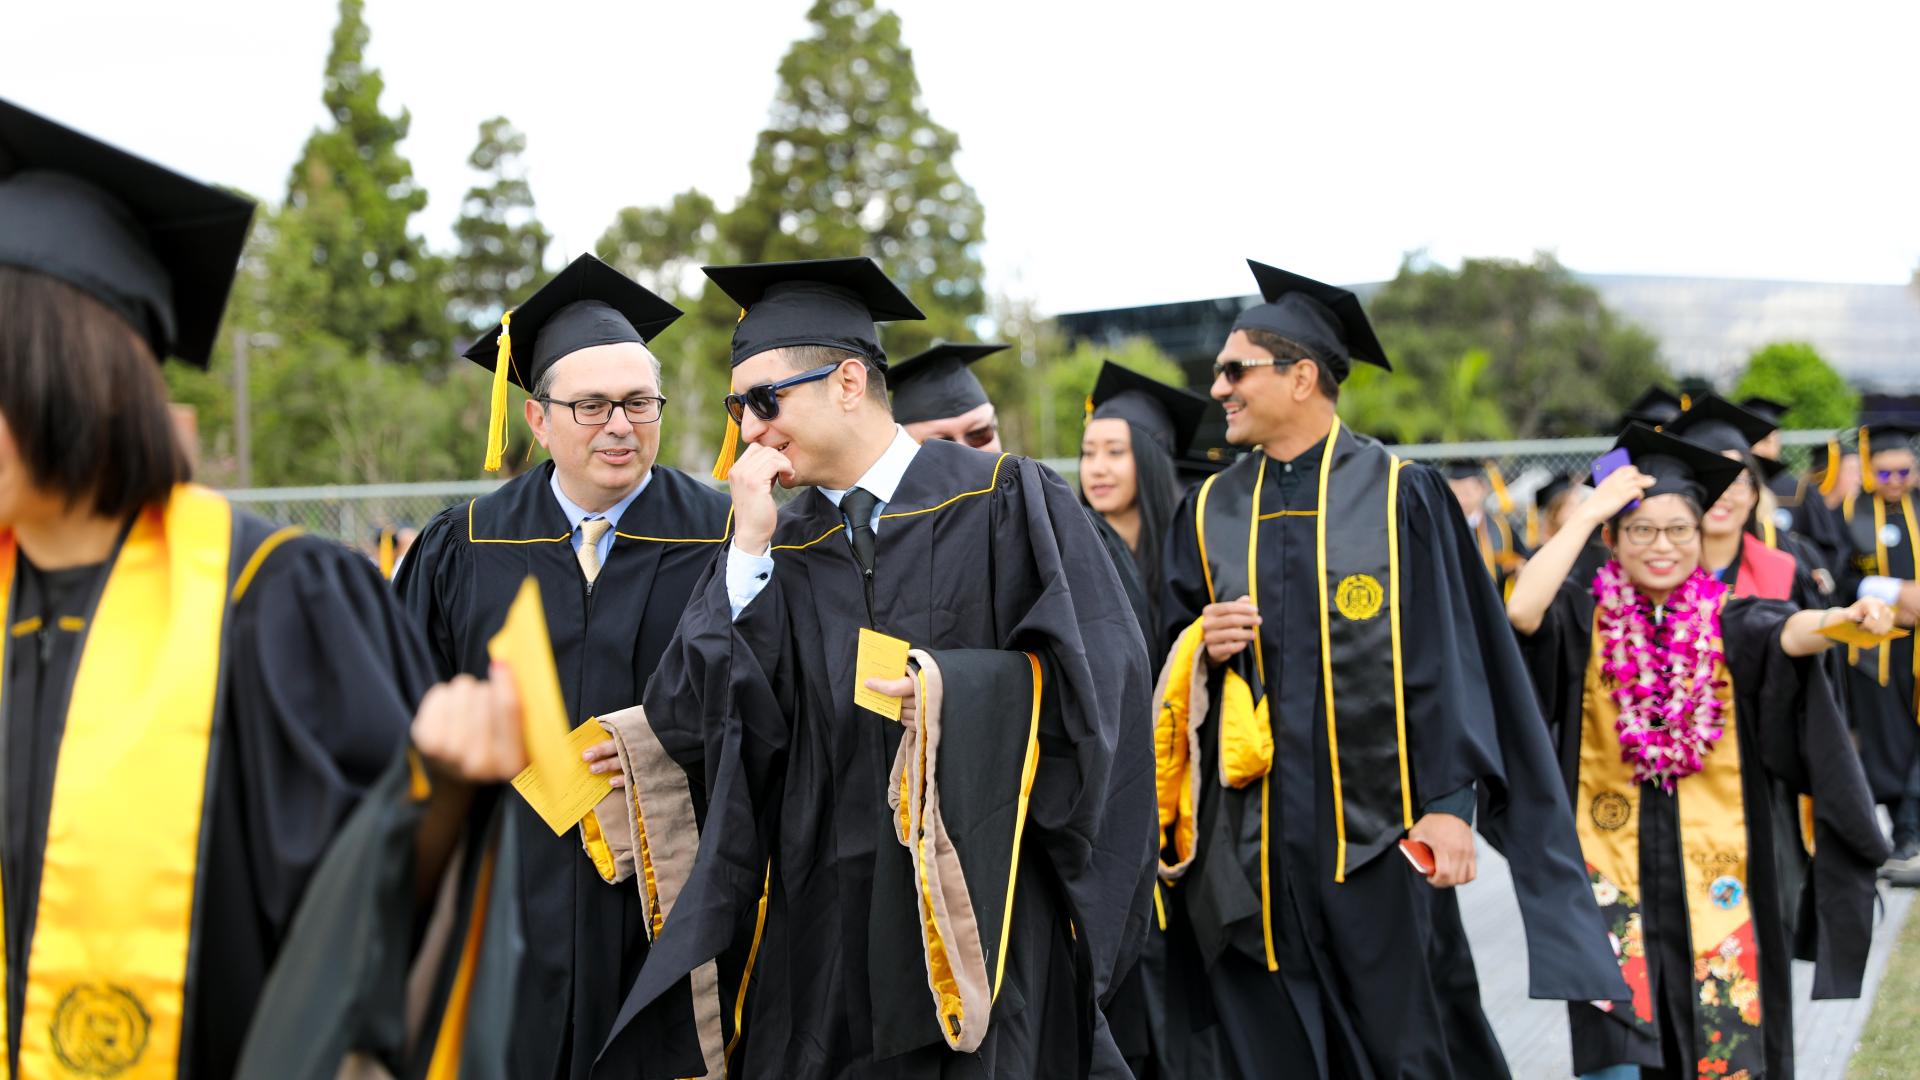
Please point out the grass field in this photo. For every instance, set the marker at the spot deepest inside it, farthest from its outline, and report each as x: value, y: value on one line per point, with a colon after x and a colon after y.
x: 1890, y: 1046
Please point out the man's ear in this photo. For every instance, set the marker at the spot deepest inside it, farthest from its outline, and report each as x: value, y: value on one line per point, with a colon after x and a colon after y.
x: 537, y: 420
x: 1306, y: 379
x: 852, y: 381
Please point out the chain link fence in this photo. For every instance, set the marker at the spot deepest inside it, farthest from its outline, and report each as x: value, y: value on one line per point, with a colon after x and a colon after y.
x: 356, y: 514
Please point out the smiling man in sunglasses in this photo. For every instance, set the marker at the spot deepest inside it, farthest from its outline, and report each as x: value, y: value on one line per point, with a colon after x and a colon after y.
x: 1342, y: 679
x: 919, y: 868
x: 616, y: 541
x: 1881, y: 525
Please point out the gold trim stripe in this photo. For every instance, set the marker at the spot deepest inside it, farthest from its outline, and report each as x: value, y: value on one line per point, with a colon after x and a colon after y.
x: 259, y: 558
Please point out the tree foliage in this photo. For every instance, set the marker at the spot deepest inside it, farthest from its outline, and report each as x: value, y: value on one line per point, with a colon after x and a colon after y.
x: 1498, y: 349
x: 1794, y: 373
x: 501, y: 247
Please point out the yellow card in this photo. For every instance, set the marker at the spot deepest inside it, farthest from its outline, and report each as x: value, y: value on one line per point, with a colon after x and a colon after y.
x: 561, y: 802
x: 880, y: 657
x: 555, y: 772
x: 1850, y: 633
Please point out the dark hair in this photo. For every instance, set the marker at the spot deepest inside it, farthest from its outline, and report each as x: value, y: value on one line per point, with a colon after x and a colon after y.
x: 1156, y: 494
x: 1751, y: 466
x: 1285, y: 348
x: 808, y: 357
x: 83, y: 398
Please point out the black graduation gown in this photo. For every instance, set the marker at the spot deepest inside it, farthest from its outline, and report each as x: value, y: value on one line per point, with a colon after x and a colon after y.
x: 585, y: 939
x: 975, y: 552
x: 1809, y: 516
x: 1376, y: 978
x: 1791, y: 732
x: 322, y: 676
x: 1884, y: 716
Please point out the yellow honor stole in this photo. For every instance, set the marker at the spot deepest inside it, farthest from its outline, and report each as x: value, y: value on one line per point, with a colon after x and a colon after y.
x: 1712, y: 824
x: 1871, y: 534
x: 108, y: 963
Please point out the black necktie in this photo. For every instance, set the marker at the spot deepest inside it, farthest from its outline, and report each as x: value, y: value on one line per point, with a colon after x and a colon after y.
x: 858, y: 505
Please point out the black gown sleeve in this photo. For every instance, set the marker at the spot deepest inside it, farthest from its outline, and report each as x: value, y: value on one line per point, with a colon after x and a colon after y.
x: 425, y: 582
x: 1806, y: 744
x: 1183, y: 588
x: 1473, y: 718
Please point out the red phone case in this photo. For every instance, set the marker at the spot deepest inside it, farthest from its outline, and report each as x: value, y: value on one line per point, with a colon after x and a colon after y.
x: 1419, y: 855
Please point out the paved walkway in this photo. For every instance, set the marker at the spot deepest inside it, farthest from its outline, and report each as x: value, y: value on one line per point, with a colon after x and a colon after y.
x: 1534, y: 1033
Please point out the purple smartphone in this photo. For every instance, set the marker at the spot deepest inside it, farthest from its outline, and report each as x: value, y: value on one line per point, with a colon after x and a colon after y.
x: 1606, y: 463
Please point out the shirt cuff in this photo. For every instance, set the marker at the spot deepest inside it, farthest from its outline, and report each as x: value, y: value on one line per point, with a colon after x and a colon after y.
x: 1884, y: 589
x: 1460, y: 804
x: 746, y: 576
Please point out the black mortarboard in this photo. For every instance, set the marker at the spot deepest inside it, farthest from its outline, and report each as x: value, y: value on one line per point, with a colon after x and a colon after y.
x: 1719, y: 424
x: 1678, y: 467
x: 1463, y: 468
x: 937, y: 384
x: 587, y: 304
x: 1168, y: 414
x: 1765, y: 408
x: 158, y: 249
x: 1325, y: 318
x: 1653, y: 408
x: 831, y: 302
x: 1555, y: 487
x: 1208, y: 451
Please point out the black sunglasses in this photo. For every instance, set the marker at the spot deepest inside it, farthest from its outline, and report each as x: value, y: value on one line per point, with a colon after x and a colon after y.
x: 1234, y: 370
x: 764, y: 399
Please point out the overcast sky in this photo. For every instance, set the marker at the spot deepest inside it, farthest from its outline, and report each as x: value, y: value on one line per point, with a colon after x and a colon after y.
x: 1126, y: 153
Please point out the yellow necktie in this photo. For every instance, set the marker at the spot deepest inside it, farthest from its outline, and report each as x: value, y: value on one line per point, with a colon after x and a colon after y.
x: 591, y: 530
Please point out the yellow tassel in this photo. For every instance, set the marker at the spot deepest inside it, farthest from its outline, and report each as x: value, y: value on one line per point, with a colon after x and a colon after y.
x: 386, y: 553
x: 1089, y: 407
x: 1866, y: 462
x: 497, y: 410
x: 1831, y: 478
x: 1686, y: 402
x: 1501, y: 498
x: 729, y: 449
x: 1533, y: 526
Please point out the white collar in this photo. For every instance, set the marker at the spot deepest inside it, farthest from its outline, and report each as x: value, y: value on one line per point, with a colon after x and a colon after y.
x: 883, y: 479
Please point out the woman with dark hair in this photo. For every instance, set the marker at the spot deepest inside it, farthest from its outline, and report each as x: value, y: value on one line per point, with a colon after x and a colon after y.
x: 1159, y: 1014
x: 192, y: 702
x: 1127, y: 476
x: 1676, y: 707
x: 1735, y: 530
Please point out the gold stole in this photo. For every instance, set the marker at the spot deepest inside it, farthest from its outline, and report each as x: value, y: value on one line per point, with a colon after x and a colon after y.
x: 1713, y: 842
x: 108, y: 963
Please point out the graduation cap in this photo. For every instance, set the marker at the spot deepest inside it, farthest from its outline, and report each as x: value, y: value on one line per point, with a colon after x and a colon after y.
x: 158, y: 249
x: 1678, y: 467
x: 1555, y: 487
x: 1168, y: 414
x: 587, y: 304
x: 1325, y: 318
x: 1719, y: 424
x: 1765, y: 408
x: 1889, y: 435
x: 936, y: 384
x: 829, y: 302
x: 1653, y: 408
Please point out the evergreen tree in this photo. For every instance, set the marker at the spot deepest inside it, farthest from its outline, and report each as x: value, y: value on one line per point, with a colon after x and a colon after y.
x: 502, y: 245
x: 350, y: 198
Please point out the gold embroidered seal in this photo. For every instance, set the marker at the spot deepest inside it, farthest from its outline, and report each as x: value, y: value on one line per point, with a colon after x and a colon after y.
x: 1358, y: 597
x: 99, y: 1030
x: 1611, y: 810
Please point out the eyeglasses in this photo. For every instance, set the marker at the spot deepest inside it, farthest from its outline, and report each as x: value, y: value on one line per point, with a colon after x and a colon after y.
x: 596, y: 411
x: 1640, y: 534
x: 764, y: 399
x: 1892, y: 474
x: 1234, y: 370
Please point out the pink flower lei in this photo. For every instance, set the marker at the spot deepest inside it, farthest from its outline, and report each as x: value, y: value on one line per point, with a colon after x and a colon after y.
x: 1662, y: 673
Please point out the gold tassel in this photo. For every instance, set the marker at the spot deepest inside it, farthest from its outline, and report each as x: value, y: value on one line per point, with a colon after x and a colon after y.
x: 1501, y: 498
x: 1686, y: 401
x: 1533, y: 526
x: 1088, y: 408
x: 729, y: 449
x: 1866, y: 462
x: 1831, y: 478
x: 386, y: 553
x: 497, y: 410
